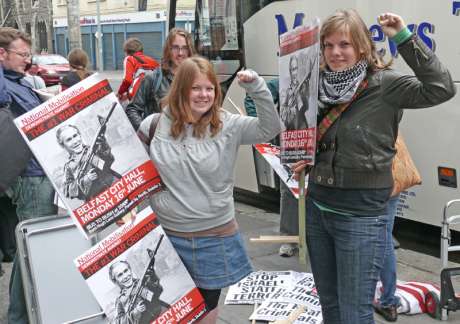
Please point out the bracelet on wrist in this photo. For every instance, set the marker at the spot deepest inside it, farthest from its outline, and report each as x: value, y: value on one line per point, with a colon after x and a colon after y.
x: 403, y: 35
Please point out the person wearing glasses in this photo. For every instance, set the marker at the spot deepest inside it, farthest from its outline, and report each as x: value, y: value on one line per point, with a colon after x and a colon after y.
x: 32, y: 193
x: 156, y: 83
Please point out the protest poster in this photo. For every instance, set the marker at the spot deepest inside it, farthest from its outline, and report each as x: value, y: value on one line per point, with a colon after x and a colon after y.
x: 303, y: 292
x: 271, y: 153
x: 286, y: 300
x: 91, y: 153
x: 299, y: 74
x: 275, y: 311
x: 137, y: 277
x: 258, y: 286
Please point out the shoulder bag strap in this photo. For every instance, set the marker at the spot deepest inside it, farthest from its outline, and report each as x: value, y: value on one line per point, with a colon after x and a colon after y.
x: 335, y: 113
x: 153, y: 126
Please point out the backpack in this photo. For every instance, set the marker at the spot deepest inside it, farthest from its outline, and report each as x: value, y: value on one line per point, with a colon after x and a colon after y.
x: 139, y: 75
x: 146, y: 138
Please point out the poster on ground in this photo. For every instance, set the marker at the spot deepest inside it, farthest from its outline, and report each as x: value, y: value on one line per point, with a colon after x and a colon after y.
x: 272, y: 311
x: 299, y: 74
x: 91, y: 153
x: 137, y: 276
x: 258, y: 286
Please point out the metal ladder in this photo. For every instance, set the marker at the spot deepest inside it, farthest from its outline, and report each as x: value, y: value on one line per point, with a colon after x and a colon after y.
x: 449, y: 300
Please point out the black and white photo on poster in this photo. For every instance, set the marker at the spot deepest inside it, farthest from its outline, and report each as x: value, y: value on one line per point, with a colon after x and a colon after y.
x: 90, y: 152
x: 137, y: 277
x: 298, y: 88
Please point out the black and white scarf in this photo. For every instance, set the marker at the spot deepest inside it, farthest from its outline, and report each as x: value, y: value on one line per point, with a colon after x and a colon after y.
x: 339, y: 87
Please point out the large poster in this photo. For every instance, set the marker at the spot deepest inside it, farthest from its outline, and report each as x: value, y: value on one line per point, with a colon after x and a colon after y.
x: 90, y: 152
x: 137, y: 276
x: 299, y: 71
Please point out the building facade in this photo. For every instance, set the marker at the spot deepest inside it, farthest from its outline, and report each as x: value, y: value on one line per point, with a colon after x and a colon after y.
x: 33, y: 17
x: 119, y: 19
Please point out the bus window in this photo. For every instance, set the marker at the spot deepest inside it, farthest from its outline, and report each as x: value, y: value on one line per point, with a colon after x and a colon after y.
x: 217, y: 36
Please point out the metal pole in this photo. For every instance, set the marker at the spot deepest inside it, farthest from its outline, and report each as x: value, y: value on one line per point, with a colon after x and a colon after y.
x: 171, y: 22
x: 99, y: 59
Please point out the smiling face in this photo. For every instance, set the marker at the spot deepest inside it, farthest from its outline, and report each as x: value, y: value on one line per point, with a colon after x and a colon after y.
x: 123, y: 275
x: 71, y: 140
x: 16, y: 57
x: 179, y: 50
x: 202, y: 95
x: 338, y: 51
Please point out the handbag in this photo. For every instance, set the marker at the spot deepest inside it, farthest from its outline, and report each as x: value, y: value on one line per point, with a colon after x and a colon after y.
x: 405, y: 173
x: 13, y: 149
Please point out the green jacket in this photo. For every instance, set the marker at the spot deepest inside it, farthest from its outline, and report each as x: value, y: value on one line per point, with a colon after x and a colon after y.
x: 358, y: 149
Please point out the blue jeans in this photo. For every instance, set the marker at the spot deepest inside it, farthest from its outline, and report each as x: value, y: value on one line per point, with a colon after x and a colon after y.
x: 34, y: 197
x: 346, y: 255
x: 388, y: 273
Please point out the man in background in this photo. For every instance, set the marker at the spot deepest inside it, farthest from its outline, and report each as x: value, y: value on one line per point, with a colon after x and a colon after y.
x: 32, y: 192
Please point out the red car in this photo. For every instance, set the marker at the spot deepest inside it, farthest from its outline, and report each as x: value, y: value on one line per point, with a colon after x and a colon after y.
x: 51, y: 67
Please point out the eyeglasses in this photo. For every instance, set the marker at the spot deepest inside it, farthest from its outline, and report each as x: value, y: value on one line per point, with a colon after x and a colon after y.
x: 21, y: 54
x: 178, y: 49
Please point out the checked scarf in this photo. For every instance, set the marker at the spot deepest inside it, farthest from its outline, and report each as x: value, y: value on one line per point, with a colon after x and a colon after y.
x: 339, y: 87
x: 336, y: 111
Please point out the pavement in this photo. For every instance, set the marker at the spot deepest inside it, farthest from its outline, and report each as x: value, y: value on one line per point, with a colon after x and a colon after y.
x: 254, y: 222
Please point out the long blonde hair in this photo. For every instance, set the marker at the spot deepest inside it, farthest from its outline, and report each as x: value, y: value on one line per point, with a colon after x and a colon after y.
x: 350, y: 22
x: 179, y: 96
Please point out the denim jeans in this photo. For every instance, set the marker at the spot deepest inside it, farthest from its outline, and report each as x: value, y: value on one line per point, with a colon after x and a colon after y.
x: 34, y: 197
x: 346, y: 255
x: 388, y: 273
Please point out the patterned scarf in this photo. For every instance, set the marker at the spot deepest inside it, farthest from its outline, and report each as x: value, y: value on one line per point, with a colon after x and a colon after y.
x: 339, y: 87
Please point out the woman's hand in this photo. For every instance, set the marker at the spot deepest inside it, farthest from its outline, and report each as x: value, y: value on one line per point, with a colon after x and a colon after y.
x: 246, y: 76
x: 297, y: 168
x: 391, y: 23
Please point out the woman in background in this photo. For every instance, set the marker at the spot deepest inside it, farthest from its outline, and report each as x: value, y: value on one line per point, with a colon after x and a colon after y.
x: 155, y: 85
x: 78, y: 61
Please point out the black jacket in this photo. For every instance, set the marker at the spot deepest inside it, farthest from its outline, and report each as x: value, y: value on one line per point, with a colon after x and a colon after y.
x: 147, y: 100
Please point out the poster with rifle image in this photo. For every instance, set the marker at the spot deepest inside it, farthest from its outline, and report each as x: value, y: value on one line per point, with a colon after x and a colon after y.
x: 299, y: 74
x: 137, y: 277
x: 90, y: 152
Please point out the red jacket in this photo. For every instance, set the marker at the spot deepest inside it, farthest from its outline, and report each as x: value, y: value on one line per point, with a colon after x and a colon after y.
x: 131, y: 64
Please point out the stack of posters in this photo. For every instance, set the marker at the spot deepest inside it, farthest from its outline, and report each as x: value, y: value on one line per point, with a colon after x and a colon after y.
x: 299, y: 74
x: 280, y: 294
x: 137, y: 276
x: 102, y: 172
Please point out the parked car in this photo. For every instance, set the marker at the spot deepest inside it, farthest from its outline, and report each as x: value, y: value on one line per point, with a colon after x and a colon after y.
x: 51, y: 67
